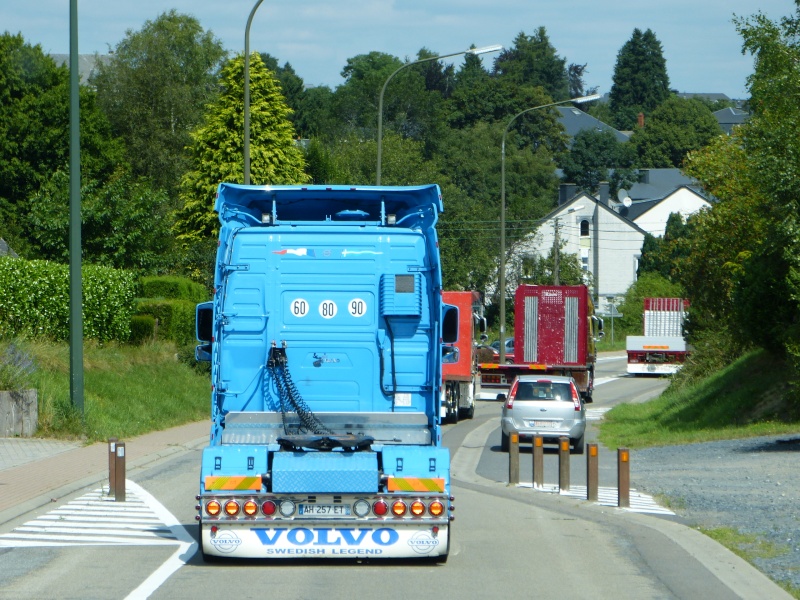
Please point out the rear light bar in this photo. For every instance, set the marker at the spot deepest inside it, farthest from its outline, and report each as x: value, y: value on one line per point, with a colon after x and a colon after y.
x: 275, y: 508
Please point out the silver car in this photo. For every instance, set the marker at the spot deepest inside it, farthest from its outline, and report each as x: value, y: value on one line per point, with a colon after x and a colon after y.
x: 548, y: 406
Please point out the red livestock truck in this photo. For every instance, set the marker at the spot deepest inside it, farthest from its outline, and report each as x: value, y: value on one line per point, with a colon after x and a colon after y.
x: 461, y: 379
x: 555, y: 330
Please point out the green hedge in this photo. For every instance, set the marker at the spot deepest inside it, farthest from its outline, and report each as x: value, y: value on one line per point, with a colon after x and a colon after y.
x: 143, y: 329
x: 35, y: 300
x: 178, y: 288
x: 175, y: 319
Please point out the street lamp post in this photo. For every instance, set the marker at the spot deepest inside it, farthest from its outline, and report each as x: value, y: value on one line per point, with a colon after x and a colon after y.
x: 502, y: 266
x: 383, y: 89
x: 247, y: 93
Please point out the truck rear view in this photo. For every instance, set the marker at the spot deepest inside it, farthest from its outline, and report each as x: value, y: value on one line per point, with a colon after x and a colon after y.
x: 555, y: 329
x: 325, y: 340
x: 662, y: 349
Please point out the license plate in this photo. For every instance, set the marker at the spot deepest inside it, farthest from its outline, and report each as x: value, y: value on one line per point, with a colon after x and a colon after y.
x: 544, y: 424
x: 324, y: 510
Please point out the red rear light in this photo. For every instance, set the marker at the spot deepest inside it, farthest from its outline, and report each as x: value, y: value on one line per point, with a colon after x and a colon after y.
x: 380, y: 508
x: 269, y: 508
x: 512, y: 393
x: 576, y: 398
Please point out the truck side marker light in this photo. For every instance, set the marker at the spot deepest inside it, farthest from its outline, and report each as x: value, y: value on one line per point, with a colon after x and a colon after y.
x: 436, y: 508
x: 399, y: 508
x: 250, y: 508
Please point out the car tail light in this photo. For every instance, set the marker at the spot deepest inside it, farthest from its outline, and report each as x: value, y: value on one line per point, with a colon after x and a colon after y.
x: 576, y: 398
x: 511, y: 394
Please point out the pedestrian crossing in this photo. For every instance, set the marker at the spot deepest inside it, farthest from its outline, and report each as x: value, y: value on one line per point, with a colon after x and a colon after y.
x: 596, y: 414
x: 97, y: 519
x: 608, y: 496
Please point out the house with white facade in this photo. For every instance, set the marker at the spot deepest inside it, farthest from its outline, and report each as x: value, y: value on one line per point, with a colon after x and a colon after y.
x: 607, y: 233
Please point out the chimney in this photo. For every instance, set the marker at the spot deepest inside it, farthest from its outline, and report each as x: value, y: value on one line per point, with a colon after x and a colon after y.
x: 604, y: 187
x: 566, y: 191
x: 640, y: 120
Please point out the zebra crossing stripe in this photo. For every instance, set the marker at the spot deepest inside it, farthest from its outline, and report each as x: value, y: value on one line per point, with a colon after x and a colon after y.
x: 96, y: 519
x: 607, y: 496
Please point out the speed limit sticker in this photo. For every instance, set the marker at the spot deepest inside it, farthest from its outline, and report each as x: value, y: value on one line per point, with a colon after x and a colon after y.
x: 299, y: 307
x: 328, y: 309
x: 357, y: 307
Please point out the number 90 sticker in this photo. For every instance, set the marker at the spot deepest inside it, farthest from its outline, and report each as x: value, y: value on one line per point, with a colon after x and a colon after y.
x: 357, y: 307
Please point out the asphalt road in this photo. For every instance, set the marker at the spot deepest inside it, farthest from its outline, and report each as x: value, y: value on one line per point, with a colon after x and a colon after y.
x: 507, y: 540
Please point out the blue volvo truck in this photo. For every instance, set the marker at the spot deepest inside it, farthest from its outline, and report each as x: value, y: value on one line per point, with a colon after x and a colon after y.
x: 326, y: 336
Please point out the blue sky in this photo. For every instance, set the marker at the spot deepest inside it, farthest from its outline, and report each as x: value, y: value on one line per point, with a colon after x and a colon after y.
x: 700, y: 42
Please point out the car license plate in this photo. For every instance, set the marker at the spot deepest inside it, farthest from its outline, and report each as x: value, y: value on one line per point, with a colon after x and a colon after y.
x: 544, y: 424
x: 324, y: 510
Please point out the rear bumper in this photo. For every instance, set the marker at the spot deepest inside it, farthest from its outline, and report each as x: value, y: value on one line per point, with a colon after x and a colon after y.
x: 334, y: 540
x: 573, y: 430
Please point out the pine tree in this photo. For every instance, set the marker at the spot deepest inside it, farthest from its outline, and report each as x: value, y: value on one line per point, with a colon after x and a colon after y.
x: 640, y: 81
x: 217, y: 146
x: 533, y: 61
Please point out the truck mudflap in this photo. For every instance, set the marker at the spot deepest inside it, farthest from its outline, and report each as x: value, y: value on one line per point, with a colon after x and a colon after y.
x: 378, y: 540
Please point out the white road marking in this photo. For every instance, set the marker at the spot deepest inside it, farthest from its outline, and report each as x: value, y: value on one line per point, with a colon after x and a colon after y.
x: 639, y: 503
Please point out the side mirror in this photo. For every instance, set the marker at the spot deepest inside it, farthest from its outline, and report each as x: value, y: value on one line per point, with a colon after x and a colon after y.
x: 449, y: 354
x: 204, y: 322
x: 449, y: 324
x: 484, y: 337
x: 202, y: 353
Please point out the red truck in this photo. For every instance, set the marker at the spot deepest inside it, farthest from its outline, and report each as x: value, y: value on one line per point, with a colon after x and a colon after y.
x: 461, y: 379
x: 555, y: 330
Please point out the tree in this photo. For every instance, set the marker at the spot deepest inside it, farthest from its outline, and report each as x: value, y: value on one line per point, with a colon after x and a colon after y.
x: 591, y: 158
x: 664, y: 255
x: 640, y: 81
x: 674, y: 129
x: 217, y: 146
x: 577, y: 86
x: 532, y: 60
x: 34, y: 134
x: 154, y: 89
x: 126, y: 224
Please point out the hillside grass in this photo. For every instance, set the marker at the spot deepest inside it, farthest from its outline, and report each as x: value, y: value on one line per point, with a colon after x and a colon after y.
x: 750, y: 397
x: 128, y: 390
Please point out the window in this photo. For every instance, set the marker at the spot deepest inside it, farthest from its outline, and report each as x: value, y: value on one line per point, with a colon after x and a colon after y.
x: 585, y: 228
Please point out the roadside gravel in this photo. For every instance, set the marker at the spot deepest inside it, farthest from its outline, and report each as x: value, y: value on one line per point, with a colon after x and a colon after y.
x: 751, y: 485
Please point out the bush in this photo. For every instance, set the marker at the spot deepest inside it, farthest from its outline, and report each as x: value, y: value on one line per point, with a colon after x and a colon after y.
x: 143, y: 329
x: 174, y: 319
x: 178, y: 288
x: 35, y: 300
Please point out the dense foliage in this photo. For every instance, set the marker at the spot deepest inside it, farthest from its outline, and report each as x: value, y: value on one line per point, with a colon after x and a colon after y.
x: 35, y: 300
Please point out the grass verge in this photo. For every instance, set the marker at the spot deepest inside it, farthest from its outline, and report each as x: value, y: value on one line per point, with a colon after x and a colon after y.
x: 749, y: 547
x: 128, y: 390
x: 748, y: 398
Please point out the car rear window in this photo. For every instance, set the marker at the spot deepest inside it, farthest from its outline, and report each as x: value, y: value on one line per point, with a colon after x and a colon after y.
x: 540, y: 390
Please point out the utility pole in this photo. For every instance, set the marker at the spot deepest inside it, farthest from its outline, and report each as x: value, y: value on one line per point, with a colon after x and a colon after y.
x: 556, y: 280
